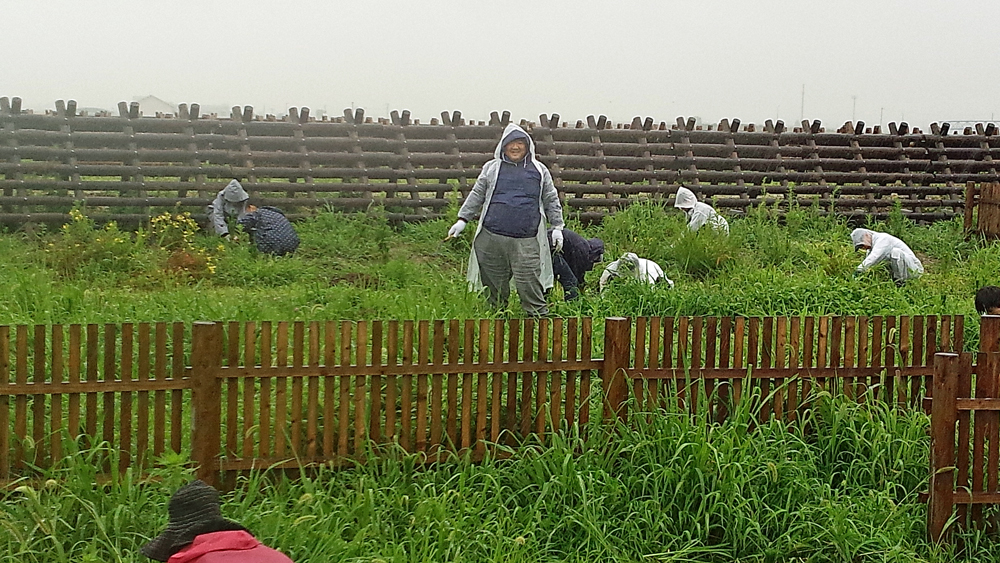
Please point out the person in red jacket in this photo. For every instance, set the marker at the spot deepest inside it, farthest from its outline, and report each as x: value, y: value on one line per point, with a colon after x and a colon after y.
x: 197, y: 533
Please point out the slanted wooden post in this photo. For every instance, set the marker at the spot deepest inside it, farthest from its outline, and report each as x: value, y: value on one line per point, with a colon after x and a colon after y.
x: 614, y: 377
x: 940, y: 505
x: 206, y: 396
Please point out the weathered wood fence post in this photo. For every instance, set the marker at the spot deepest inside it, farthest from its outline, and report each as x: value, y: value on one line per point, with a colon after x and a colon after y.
x: 984, y: 421
x: 940, y: 505
x: 614, y: 377
x: 206, y: 399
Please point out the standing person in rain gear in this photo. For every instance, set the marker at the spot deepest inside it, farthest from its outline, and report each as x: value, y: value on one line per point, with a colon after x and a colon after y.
x: 632, y: 266
x: 699, y: 213
x: 578, y: 257
x: 270, y: 230
x: 230, y: 202
x: 197, y: 532
x: 883, y: 247
x: 512, y: 198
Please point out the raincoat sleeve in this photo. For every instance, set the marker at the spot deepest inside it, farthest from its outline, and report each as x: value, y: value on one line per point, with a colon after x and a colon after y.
x: 609, y: 272
x: 217, y: 215
x: 879, y: 252
x: 550, y: 200
x: 697, y: 218
x: 474, y: 203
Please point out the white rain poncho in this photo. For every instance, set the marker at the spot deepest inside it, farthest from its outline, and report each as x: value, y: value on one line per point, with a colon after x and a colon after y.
x: 231, y: 201
x: 478, y: 203
x: 699, y: 213
x: 903, y: 263
x: 639, y: 268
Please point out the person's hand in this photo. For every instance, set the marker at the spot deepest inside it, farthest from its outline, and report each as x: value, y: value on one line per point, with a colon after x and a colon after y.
x: 456, y: 229
x: 557, y: 240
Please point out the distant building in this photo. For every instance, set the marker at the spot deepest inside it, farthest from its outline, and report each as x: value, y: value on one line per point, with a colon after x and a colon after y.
x: 151, y: 105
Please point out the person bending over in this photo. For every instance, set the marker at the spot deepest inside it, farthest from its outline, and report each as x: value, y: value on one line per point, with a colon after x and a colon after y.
x: 270, y: 230
x: 197, y: 533
x: 630, y: 265
x: 578, y: 257
x: 699, y: 213
x: 883, y: 247
x: 230, y: 202
x: 988, y: 300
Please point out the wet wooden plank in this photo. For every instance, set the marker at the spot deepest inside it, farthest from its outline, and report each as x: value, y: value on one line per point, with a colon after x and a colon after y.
x: 250, y: 423
x: 281, y: 392
x: 451, y: 430
x: 233, y: 330
x: 266, y: 335
x: 125, y: 403
x: 344, y: 397
x: 423, y: 353
x: 359, y: 394
x: 312, y: 394
x: 481, y: 404
x: 406, y: 382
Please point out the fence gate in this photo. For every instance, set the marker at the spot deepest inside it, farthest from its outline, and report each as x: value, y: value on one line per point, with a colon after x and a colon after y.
x: 965, y: 436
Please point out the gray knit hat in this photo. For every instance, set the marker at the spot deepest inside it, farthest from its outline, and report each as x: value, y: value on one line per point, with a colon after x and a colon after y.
x: 194, y: 510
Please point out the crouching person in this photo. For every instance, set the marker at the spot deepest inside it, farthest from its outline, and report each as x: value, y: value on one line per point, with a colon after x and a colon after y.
x: 197, y: 533
x: 630, y: 265
x: 270, y: 230
x: 230, y: 202
x: 578, y: 257
x: 883, y: 247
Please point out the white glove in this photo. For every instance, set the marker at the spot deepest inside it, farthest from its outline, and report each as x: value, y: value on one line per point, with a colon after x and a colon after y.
x: 457, y: 228
x: 557, y: 240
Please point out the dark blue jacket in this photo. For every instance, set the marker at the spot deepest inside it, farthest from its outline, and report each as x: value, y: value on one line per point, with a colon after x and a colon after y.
x: 513, y: 211
x: 578, y: 257
x: 271, y: 231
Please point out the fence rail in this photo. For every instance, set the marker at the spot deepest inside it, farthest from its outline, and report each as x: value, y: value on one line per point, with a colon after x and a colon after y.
x: 129, y: 167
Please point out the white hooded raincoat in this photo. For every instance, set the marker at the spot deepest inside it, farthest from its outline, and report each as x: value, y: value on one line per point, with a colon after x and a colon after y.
x: 639, y: 268
x: 887, y: 248
x: 699, y: 213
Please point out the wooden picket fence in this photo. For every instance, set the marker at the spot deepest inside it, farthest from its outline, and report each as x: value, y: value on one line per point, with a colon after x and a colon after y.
x: 786, y: 357
x: 239, y: 395
x: 965, y: 437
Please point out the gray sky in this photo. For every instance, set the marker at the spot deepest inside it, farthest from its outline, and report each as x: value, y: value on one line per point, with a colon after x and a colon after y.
x: 913, y: 60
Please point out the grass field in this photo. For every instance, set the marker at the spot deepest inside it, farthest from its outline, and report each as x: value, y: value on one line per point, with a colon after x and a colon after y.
x: 361, y: 267
x: 667, y: 488
x: 839, y: 486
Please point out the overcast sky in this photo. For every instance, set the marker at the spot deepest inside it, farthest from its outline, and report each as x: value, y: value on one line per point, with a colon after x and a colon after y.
x: 890, y: 60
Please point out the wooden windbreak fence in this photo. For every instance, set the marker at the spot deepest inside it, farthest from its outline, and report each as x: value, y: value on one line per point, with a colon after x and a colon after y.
x: 263, y: 394
x: 129, y: 168
x: 965, y: 437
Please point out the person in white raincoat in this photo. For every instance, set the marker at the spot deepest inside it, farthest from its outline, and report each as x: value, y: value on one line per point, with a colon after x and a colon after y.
x: 513, y: 197
x: 639, y: 268
x: 231, y: 201
x: 699, y: 213
x: 883, y: 247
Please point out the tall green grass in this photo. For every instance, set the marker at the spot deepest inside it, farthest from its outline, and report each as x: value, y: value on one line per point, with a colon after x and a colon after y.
x: 360, y: 266
x: 666, y: 487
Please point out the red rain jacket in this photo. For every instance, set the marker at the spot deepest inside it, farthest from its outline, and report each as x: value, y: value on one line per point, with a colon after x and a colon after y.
x: 228, y: 547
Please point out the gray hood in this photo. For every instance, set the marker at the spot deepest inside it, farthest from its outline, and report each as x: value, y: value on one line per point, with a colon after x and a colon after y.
x: 234, y: 192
